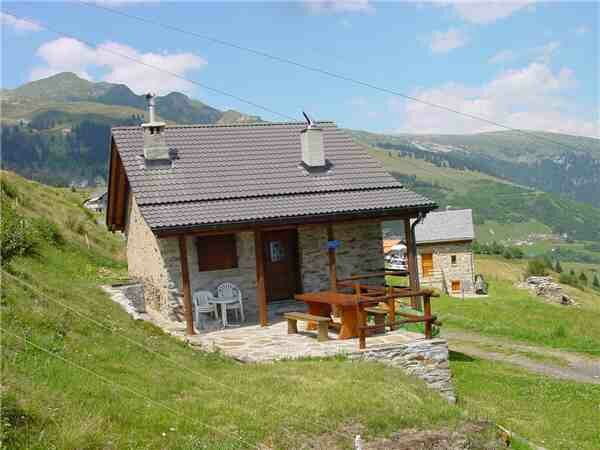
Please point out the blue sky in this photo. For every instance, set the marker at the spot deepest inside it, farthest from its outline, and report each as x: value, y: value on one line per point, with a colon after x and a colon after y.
x: 524, y: 64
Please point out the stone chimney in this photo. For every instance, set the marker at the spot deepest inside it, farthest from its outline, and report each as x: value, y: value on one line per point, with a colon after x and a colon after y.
x: 156, y: 152
x: 311, y: 141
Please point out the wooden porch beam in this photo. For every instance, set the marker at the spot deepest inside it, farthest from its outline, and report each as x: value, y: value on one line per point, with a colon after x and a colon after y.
x: 413, y: 269
x: 261, y: 287
x: 185, y: 282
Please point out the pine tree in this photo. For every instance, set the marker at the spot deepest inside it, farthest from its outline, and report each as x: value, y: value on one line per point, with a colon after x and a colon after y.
x: 583, y: 277
x: 558, y: 267
x: 596, y: 282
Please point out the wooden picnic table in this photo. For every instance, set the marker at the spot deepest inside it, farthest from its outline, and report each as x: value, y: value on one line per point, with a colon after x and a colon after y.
x: 320, y: 304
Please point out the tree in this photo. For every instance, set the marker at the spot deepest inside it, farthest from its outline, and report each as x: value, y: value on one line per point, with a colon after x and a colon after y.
x: 583, y: 277
x: 558, y: 267
x: 596, y: 282
x: 572, y: 272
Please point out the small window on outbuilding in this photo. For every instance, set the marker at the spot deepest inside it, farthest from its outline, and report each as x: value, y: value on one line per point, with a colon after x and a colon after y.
x: 453, y: 260
x: 217, y: 252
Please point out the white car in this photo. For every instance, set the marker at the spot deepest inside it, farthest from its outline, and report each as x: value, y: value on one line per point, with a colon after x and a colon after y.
x: 396, y: 258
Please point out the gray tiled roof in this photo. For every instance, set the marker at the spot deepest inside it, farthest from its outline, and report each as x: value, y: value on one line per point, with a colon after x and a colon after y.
x: 237, y: 173
x: 446, y: 226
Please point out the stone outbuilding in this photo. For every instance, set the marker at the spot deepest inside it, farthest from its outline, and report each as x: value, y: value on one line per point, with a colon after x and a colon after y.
x: 444, y: 254
x: 267, y: 206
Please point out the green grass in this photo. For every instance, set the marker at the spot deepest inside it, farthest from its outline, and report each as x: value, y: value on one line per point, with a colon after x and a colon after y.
x: 495, y: 231
x: 554, y: 414
x: 514, y: 313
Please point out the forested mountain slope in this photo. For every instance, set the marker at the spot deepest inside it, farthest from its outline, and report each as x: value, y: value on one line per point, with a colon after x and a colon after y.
x: 56, y: 130
x: 561, y: 164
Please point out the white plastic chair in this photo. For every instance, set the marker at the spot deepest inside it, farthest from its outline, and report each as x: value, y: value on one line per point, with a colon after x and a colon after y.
x: 201, y: 301
x: 229, y: 290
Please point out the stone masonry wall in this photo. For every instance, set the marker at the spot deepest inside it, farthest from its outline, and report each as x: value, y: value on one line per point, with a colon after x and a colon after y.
x: 155, y: 262
x: 444, y: 272
x: 427, y: 360
x: 360, y: 251
x: 146, y: 263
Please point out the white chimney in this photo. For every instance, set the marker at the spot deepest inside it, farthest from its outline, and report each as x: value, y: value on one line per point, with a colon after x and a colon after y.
x: 311, y: 141
x: 156, y: 152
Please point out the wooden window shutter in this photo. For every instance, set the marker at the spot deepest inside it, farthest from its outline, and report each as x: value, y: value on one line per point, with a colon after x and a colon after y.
x: 427, y: 264
x: 217, y: 252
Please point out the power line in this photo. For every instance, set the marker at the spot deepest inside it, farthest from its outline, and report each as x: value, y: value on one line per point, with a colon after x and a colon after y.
x: 227, y: 388
x: 126, y: 388
x: 322, y: 71
x: 173, y: 74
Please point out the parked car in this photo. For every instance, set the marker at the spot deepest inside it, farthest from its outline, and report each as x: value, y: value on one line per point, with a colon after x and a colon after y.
x: 396, y: 259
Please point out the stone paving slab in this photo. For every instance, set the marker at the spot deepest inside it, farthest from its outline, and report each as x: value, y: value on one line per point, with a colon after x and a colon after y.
x: 258, y: 344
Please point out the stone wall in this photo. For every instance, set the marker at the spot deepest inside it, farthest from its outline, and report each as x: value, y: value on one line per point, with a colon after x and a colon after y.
x: 146, y: 263
x: 427, y: 360
x: 444, y: 272
x: 155, y: 262
x: 360, y: 251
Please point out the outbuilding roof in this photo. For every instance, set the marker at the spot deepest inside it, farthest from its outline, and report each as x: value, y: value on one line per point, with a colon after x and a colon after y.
x: 446, y: 226
x: 224, y: 174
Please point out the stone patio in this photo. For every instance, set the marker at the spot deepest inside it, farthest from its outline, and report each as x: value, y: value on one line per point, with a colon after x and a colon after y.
x: 426, y: 359
x: 259, y: 344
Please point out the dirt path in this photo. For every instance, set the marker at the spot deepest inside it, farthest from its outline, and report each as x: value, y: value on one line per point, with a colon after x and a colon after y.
x: 550, y: 362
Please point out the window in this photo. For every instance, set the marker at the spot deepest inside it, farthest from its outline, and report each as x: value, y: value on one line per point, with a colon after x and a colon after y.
x: 453, y: 260
x: 277, y: 251
x: 217, y: 252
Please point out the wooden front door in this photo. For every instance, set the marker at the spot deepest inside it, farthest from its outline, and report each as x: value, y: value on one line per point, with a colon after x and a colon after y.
x: 281, y: 264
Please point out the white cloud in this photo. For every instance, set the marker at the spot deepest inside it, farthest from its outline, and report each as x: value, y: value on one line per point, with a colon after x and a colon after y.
x: 71, y: 55
x: 19, y: 25
x: 580, y: 31
x: 533, y: 97
x: 501, y: 57
x: 545, y: 52
x: 339, y: 6
x: 485, y: 12
x: 444, y: 41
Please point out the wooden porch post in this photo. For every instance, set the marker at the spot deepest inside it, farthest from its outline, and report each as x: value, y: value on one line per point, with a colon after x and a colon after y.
x: 332, y: 261
x: 261, y: 289
x: 413, y: 269
x: 185, y: 279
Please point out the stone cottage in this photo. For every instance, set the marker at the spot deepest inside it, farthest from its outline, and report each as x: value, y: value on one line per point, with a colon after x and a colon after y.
x: 265, y: 206
x: 444, y: 255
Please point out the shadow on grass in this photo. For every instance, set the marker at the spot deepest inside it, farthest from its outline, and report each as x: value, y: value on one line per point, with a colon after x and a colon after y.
x: 457, y: 356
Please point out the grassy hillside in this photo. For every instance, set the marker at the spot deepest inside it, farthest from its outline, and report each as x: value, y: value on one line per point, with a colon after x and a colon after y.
x: 494, y: 201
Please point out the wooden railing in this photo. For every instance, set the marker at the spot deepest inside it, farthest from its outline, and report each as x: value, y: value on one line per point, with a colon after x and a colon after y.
x: 371, y: 295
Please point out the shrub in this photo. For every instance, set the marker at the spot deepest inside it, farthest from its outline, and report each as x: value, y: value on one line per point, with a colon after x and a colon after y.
x: 571, y: 280
x: 49, y: 232
x: 8, y: 189
x: 596, y: 282
x: 17, y: 235
x: 583, y: 277
x: 558, y: 267
x: 536, y: 267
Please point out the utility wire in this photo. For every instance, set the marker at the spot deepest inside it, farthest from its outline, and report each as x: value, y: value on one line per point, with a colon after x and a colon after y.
x: 126, y: 388
x: 173, y: 74
x: 112, y: 328
x: 323, y: 71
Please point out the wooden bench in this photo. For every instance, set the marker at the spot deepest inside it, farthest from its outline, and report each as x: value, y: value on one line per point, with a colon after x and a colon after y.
x: 322, y: 323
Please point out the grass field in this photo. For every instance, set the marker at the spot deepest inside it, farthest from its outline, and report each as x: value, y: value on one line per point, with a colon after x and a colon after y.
x: 551, y: 413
